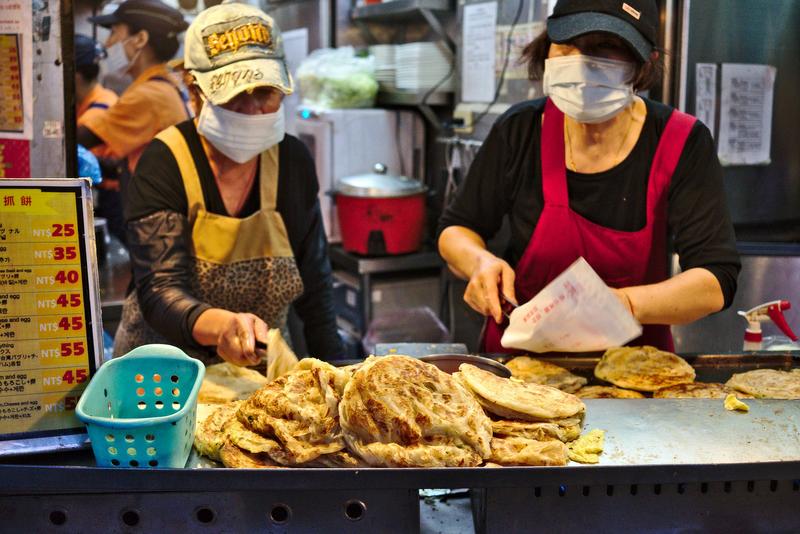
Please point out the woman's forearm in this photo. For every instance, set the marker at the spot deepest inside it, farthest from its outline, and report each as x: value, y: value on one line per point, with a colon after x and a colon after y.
x: 684, y: 298
x: 462, y: 249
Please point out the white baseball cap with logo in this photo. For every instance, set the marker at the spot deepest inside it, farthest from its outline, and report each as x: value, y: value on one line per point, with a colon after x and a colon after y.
x: 235, y: 47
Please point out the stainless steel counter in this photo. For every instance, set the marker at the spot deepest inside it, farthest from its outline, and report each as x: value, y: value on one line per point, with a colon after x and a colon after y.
x: 658, y: 451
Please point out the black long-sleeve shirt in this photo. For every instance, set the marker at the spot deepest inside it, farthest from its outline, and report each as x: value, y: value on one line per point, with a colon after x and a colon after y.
x: 505, y: 179
x: 157, y: 186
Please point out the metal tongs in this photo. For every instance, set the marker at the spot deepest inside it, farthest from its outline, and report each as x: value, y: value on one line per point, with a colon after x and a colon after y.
x: 506, y: 306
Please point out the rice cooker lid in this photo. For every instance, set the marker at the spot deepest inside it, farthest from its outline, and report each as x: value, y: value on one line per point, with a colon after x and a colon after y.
x: 378, y: 184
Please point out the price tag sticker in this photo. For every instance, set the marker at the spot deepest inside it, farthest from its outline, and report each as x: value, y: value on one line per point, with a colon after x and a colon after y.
x: 50, y: 328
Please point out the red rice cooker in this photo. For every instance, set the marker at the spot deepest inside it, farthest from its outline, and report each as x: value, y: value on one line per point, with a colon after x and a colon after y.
x: 380, y: 214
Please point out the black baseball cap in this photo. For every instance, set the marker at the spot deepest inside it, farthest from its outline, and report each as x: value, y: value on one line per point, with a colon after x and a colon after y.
x: 150, y: 15
x: 633, y: 21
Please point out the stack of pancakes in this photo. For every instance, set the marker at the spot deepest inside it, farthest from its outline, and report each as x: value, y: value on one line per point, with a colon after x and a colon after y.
x: 292, y: 421
x: 531, y: 422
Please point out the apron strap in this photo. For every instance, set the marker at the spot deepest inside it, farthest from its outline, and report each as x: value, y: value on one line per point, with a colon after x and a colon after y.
x: 269, y: 178
x: 554, y: 170
x: 173, y: 138
x: 669, y: 150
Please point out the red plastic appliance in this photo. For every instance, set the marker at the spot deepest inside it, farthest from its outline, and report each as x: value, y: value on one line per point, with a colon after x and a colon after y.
x: 380, y: 214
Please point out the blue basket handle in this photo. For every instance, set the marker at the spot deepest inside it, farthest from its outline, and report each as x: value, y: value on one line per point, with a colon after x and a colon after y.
x: 157, y: 349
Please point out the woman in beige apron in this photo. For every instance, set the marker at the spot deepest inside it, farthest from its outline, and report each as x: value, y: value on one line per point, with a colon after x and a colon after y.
x: 214, y: 280
x: 253, y: 251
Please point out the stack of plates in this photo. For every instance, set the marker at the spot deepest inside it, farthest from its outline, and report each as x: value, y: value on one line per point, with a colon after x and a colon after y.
x: 384, y: 65
x: 420, y: 66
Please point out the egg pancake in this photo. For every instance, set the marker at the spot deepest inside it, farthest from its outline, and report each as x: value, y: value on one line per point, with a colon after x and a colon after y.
x: 398, y: 411
x: 767, y: 384
x: 536, y: 371
x: 209, y: 436
x: 298, y: 410
x: 643, y: 368
x: 535, y: 431
x: 235, y: 457
x: 522, y: 451
x: 512, y: 399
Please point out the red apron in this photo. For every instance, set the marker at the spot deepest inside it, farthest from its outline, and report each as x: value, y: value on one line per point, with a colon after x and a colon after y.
x: 561, y: 236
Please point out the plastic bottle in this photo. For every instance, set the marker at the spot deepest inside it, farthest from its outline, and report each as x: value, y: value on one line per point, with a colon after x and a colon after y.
x: 768, y: 311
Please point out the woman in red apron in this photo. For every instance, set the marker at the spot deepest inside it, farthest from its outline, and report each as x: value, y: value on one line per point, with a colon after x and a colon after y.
x: 594, y: 170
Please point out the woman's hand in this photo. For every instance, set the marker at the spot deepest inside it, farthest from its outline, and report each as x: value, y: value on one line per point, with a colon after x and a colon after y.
x: 490, y: 276
x: 236, y: 342
x: 234, y: 334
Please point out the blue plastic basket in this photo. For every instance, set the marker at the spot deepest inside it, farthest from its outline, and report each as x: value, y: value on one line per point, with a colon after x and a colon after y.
x: 139, y: 409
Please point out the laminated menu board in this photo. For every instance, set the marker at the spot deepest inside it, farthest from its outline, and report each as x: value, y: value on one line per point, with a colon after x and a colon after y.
x: 50, y: 327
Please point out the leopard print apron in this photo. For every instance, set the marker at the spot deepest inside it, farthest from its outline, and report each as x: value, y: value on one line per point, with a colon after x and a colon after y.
x: 241, y: 265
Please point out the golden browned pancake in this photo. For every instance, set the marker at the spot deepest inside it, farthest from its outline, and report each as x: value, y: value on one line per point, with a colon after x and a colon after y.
x: 341, y: 459
x: 233, y: 456
x: 298, y: 410
x: 767, y: 384
x: 696, y: 390
x: 607, y: 392
x: 225, y: 382
x: 643, y: 368
x: 522, y: 451
x: 537, y: 371
x: 398, y: 411
x: 512, y: 399
x: 535, y: 431
x: 209, y: 436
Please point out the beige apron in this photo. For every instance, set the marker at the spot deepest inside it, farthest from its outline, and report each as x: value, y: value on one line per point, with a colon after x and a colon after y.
x: 241, y: 265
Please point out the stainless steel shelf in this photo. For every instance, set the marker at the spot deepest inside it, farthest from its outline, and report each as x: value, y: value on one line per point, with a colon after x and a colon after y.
x: 397, y: 9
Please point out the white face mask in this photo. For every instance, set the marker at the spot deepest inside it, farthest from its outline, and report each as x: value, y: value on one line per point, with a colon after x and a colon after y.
x: 588, y: 89
x: 239, y: 136
x: 116, y: 61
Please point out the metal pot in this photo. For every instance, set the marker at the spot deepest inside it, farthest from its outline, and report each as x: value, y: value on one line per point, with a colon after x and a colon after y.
x: 380, y: 213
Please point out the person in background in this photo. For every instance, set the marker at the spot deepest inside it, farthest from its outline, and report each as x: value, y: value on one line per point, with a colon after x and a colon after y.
x: 91, y: 98
x: 224, y: 224
x: 595, y: 170
x: 144, y: 36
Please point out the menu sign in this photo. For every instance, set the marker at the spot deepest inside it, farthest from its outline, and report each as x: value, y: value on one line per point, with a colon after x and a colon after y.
x: 50, y: 330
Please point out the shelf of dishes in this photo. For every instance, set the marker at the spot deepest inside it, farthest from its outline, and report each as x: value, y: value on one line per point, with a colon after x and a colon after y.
x: 396, y: 9
x: 413, y: 98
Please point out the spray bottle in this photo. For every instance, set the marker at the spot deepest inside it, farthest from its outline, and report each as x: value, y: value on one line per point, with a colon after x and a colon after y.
x: 769, y: 311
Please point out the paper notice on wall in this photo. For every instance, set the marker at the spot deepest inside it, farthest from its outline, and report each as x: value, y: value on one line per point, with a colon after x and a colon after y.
x: 522, y: 35
x: 705, y: 98
x: 16, y: 94
x: 478, y: 56
x: 745, y: 121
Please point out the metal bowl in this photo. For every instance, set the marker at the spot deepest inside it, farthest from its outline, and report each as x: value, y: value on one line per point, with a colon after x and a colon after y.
x: 449, y: 363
